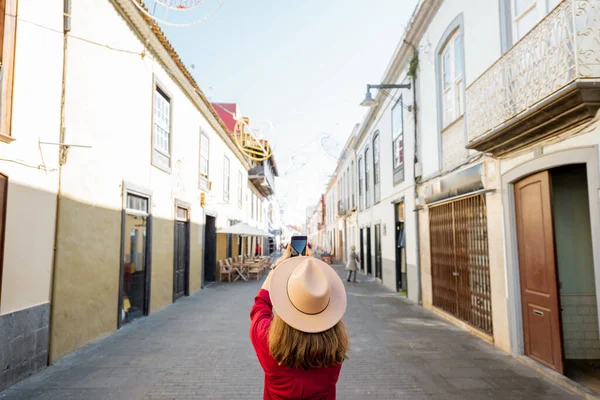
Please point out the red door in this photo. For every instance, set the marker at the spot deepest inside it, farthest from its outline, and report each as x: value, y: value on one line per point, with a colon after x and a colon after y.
x: 537, y: 267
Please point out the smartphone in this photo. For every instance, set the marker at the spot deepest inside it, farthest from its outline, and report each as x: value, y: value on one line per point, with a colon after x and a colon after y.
x: 298, y: 245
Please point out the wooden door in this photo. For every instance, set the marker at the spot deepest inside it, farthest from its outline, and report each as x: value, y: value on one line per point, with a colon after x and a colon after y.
x: 181, y: 260
x: 210, y: 250
x: 341, y: 245
x: 369, y: 261
x: 537, y: 267
x: 362, y: 250
x: 398, y: 244
x: 378, y: 260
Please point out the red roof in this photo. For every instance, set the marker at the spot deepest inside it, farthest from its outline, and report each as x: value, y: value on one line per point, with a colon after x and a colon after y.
x: 227, y: 112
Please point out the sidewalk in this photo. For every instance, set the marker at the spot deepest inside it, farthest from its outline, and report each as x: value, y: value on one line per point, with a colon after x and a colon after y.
x: 199, y: 348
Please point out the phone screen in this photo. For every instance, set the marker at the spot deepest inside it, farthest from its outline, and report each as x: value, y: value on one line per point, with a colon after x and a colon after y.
x: 298, y: 245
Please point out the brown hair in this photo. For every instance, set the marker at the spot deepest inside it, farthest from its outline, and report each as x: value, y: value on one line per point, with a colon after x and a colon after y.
x: 295, y: 349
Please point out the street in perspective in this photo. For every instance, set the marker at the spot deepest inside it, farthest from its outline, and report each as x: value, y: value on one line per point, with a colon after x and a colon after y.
x: 225, y: 199
x: 398, y: 351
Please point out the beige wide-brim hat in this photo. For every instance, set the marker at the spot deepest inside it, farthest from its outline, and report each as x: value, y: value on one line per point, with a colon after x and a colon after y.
x: 307, y: 294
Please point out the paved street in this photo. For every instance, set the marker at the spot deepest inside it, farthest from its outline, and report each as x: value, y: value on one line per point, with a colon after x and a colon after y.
x: 199, y: 349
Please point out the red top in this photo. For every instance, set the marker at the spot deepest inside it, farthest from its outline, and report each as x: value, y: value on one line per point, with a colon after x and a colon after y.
x: 283, y: 382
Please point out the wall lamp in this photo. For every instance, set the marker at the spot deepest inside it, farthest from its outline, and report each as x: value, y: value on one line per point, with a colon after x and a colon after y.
x: 369, y: 101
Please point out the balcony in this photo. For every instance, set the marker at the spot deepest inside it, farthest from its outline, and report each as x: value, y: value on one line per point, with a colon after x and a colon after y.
x: 547, y: 82
x: 262, y: 177
x: 341, y: 209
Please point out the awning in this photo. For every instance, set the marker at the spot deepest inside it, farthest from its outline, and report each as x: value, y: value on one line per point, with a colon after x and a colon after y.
x: 457, y: 184
x: 243, y: 229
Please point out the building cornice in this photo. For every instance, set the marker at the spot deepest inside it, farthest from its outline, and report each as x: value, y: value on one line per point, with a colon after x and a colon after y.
x: 417, y: 26
x: 157, y: 43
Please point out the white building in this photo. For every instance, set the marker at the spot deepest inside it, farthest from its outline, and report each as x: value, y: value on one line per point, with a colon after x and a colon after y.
x: 347, y: 203
x: 505, y: 99
x: 510, y: 231
x: 332, y: 235
x: 30, y: 125
x: 138, y: 211
x: 385, y: 153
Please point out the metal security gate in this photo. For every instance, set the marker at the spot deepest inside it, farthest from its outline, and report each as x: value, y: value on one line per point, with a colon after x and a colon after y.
x: 460, y: 260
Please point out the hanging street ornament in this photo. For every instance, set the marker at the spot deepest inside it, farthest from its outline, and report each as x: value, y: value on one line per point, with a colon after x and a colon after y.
x: 177, y: 6
x: 255, y: 148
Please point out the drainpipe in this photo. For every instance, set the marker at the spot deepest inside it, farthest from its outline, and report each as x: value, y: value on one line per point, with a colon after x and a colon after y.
x: 62, y: 158
x: 416, y: 193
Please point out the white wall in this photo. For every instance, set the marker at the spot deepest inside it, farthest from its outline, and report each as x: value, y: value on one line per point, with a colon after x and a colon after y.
x: 383, y: 212
x: 481, y: 50
x: 113, y: 113
x: 31, y: 203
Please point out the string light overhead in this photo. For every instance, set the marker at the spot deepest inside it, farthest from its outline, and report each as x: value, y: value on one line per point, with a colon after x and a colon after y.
x: 178, y: 6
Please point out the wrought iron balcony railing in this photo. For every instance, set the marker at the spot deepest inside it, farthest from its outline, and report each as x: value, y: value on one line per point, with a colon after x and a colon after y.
x: 341, y: 211
x: 547, y: 81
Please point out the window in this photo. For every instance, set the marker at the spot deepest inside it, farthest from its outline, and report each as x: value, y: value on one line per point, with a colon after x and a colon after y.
x: 340, y: 183
x: 181, y: 214
x: 398, y: 141
x: 226, y: 178
x: 137, y: 203
x: 452, y: 79
x: 251, y: 205
x: 360, y: 184
x: 353, y: 190
x: 348, y: 204
x: 8, y: 26
x: 203, y: 168
x: 255, y: 204
x: 240, y: 188
x: 527, y: 13
x: 367, y: 162
x: 161, y: 130
x: 398, y: 133
x: 376, y: 171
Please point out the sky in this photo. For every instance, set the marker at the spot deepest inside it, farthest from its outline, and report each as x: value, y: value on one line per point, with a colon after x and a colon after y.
x: 298, y: 69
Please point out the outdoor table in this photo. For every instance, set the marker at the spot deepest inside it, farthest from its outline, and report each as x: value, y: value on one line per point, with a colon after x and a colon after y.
x: 240, y: 269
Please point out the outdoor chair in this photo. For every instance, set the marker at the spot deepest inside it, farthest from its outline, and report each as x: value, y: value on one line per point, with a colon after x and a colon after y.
x: 224, y: 270
x: 255, y: 270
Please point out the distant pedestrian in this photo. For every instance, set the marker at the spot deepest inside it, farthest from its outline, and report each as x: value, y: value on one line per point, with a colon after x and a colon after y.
x: 351, y: 266
x: 258, y: 250
x: 302, y: 347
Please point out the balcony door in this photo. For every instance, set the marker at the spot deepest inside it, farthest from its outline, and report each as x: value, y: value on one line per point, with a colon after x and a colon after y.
x: 526, y: 14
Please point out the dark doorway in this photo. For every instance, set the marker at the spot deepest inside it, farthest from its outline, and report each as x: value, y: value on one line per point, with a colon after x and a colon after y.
x: 576, y: 277
x: 378, y: 266
x: 3, y: 198
x: 210, y: 250
x: 229, y: 245
x: 181, y: 264
x: 271, y: 246
x: 369, y: 259
x: 135, y: 253
x: 400, y: 246
x: 362, y: 250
